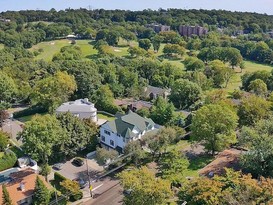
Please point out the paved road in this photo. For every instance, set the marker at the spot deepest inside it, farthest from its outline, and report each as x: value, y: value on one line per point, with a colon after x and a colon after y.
x: 107, y: 195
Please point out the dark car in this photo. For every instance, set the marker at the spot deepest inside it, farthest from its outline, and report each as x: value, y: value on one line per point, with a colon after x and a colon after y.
x: 78, y: 162
x: 82, y: 183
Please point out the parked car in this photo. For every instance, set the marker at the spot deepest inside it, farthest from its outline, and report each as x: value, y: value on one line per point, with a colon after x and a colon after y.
x: 82, y: 183
x: 57, y: 166
x: 78, y: 162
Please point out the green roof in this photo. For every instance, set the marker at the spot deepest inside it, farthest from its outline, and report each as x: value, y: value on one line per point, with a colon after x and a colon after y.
x: 124, y: 124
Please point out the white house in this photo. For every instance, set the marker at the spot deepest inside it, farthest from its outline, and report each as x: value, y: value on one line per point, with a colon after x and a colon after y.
x: 125, y: 128
x: 81, y: 108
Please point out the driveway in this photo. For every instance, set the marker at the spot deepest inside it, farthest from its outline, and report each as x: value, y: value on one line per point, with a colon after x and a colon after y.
x: 71, y: 171
x: 13, y: 127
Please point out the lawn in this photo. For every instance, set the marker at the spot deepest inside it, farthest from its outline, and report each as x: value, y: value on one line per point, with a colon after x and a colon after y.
x: 250, y: 66
x: 50, y: 48
x: 86, y: 48
x: 105, y: 117
x: 196, y: 164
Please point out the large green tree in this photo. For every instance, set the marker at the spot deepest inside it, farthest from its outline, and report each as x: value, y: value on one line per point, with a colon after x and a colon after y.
x: 214, y: 127
x: 162, y: 111
x: 40, y: 135
x: 52, y: 91
x: 185, y: 93
x: 145, y: 187
x: 259, y: 142
x: 8, y: 88
x: 77, y: 134
x: 252, y: 109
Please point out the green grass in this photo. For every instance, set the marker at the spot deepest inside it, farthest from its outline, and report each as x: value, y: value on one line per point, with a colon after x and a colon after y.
x: 105, y: 117
x: 250, y: 66
x: 196, y: 164
x: 86, y: 48
x: 1, y: 46
x: 50, y: 48
x: 1, y: 154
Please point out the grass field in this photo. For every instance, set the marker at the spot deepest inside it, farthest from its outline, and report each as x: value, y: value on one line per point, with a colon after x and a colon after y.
x: 236, y: 82
x: 50, y: 48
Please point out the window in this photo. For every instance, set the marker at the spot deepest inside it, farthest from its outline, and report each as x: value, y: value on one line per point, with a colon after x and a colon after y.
x: 103, y: 138
x: 107, y: 132
x: 118, y: 135
x: 111, y: 142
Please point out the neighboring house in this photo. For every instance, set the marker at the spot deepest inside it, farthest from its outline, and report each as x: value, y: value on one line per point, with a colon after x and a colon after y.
x: 125, y: 128
x: 132, y: 104
x: 152, y: 92
x: 81, y: 108
x: 158, y: 27
x: 21, y: 186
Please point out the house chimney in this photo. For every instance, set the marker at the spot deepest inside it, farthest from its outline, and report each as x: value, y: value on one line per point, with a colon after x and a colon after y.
x: 22, y: 186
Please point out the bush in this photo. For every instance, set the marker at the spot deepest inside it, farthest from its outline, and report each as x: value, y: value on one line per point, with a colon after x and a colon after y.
x: 29, y: 111
x: 58, y: 177
x: 8, y: 160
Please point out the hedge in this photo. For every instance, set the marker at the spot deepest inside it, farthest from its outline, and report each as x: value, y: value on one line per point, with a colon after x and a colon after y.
x: 29, y: 111
x: 8, y: 161
x: 58, y: 177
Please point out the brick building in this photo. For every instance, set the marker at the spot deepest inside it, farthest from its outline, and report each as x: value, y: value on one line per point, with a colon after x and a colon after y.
x: 192, y: 30
x: 158, y: 27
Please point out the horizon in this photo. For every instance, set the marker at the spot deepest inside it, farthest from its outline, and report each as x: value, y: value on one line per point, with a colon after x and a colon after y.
x: 253, y: 6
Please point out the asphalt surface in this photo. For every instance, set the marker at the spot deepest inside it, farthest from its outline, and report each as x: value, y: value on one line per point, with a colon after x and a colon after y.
x: 107, y: 194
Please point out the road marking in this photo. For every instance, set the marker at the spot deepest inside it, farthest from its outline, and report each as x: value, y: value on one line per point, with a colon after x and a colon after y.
x: 97, y: 187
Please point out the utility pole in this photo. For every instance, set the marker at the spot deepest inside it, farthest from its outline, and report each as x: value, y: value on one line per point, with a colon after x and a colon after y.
x: 91, y: 194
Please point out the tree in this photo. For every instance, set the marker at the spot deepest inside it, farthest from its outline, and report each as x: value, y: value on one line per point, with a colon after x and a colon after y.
x: 40, y: 135
x: 156, y: 41
x: 134, y: 148
x: 185, y: 93
x: 232, y: 188
x: 102, y: 155
x: 3, y: 116
x: 194, y: 64
x: 159, y: 141
x: 214, y: 126
x: 7, y: 87
x: 259, y: 142
x: 52, y: 91
x: 77, y: 134
x: 6, y: 200
x: 145, y: 187
x: 104, y: 99
x: 4, y: 141
x: 219, y: 72
x: 137, y: 52
x: 258, y: 87
x: 162, y: 111
x: 71, y: 189
x: 170, y: 49
x: 45, y: 171
x: 172, y: 165
x: 41, y: 193
x: 252, y: 109
x: 145, y: 44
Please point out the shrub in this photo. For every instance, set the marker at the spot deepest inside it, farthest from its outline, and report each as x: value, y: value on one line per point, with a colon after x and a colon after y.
x: 8, y: 160
x: 58, y: 177
x: 29, y: 111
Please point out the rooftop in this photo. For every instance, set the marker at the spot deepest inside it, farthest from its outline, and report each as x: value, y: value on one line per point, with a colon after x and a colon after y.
x: 80, y: 105
x: 124, y: 124
x: 28, y: 179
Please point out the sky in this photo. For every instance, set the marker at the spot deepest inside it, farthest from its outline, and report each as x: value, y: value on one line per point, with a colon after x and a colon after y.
x: 259, y: 6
